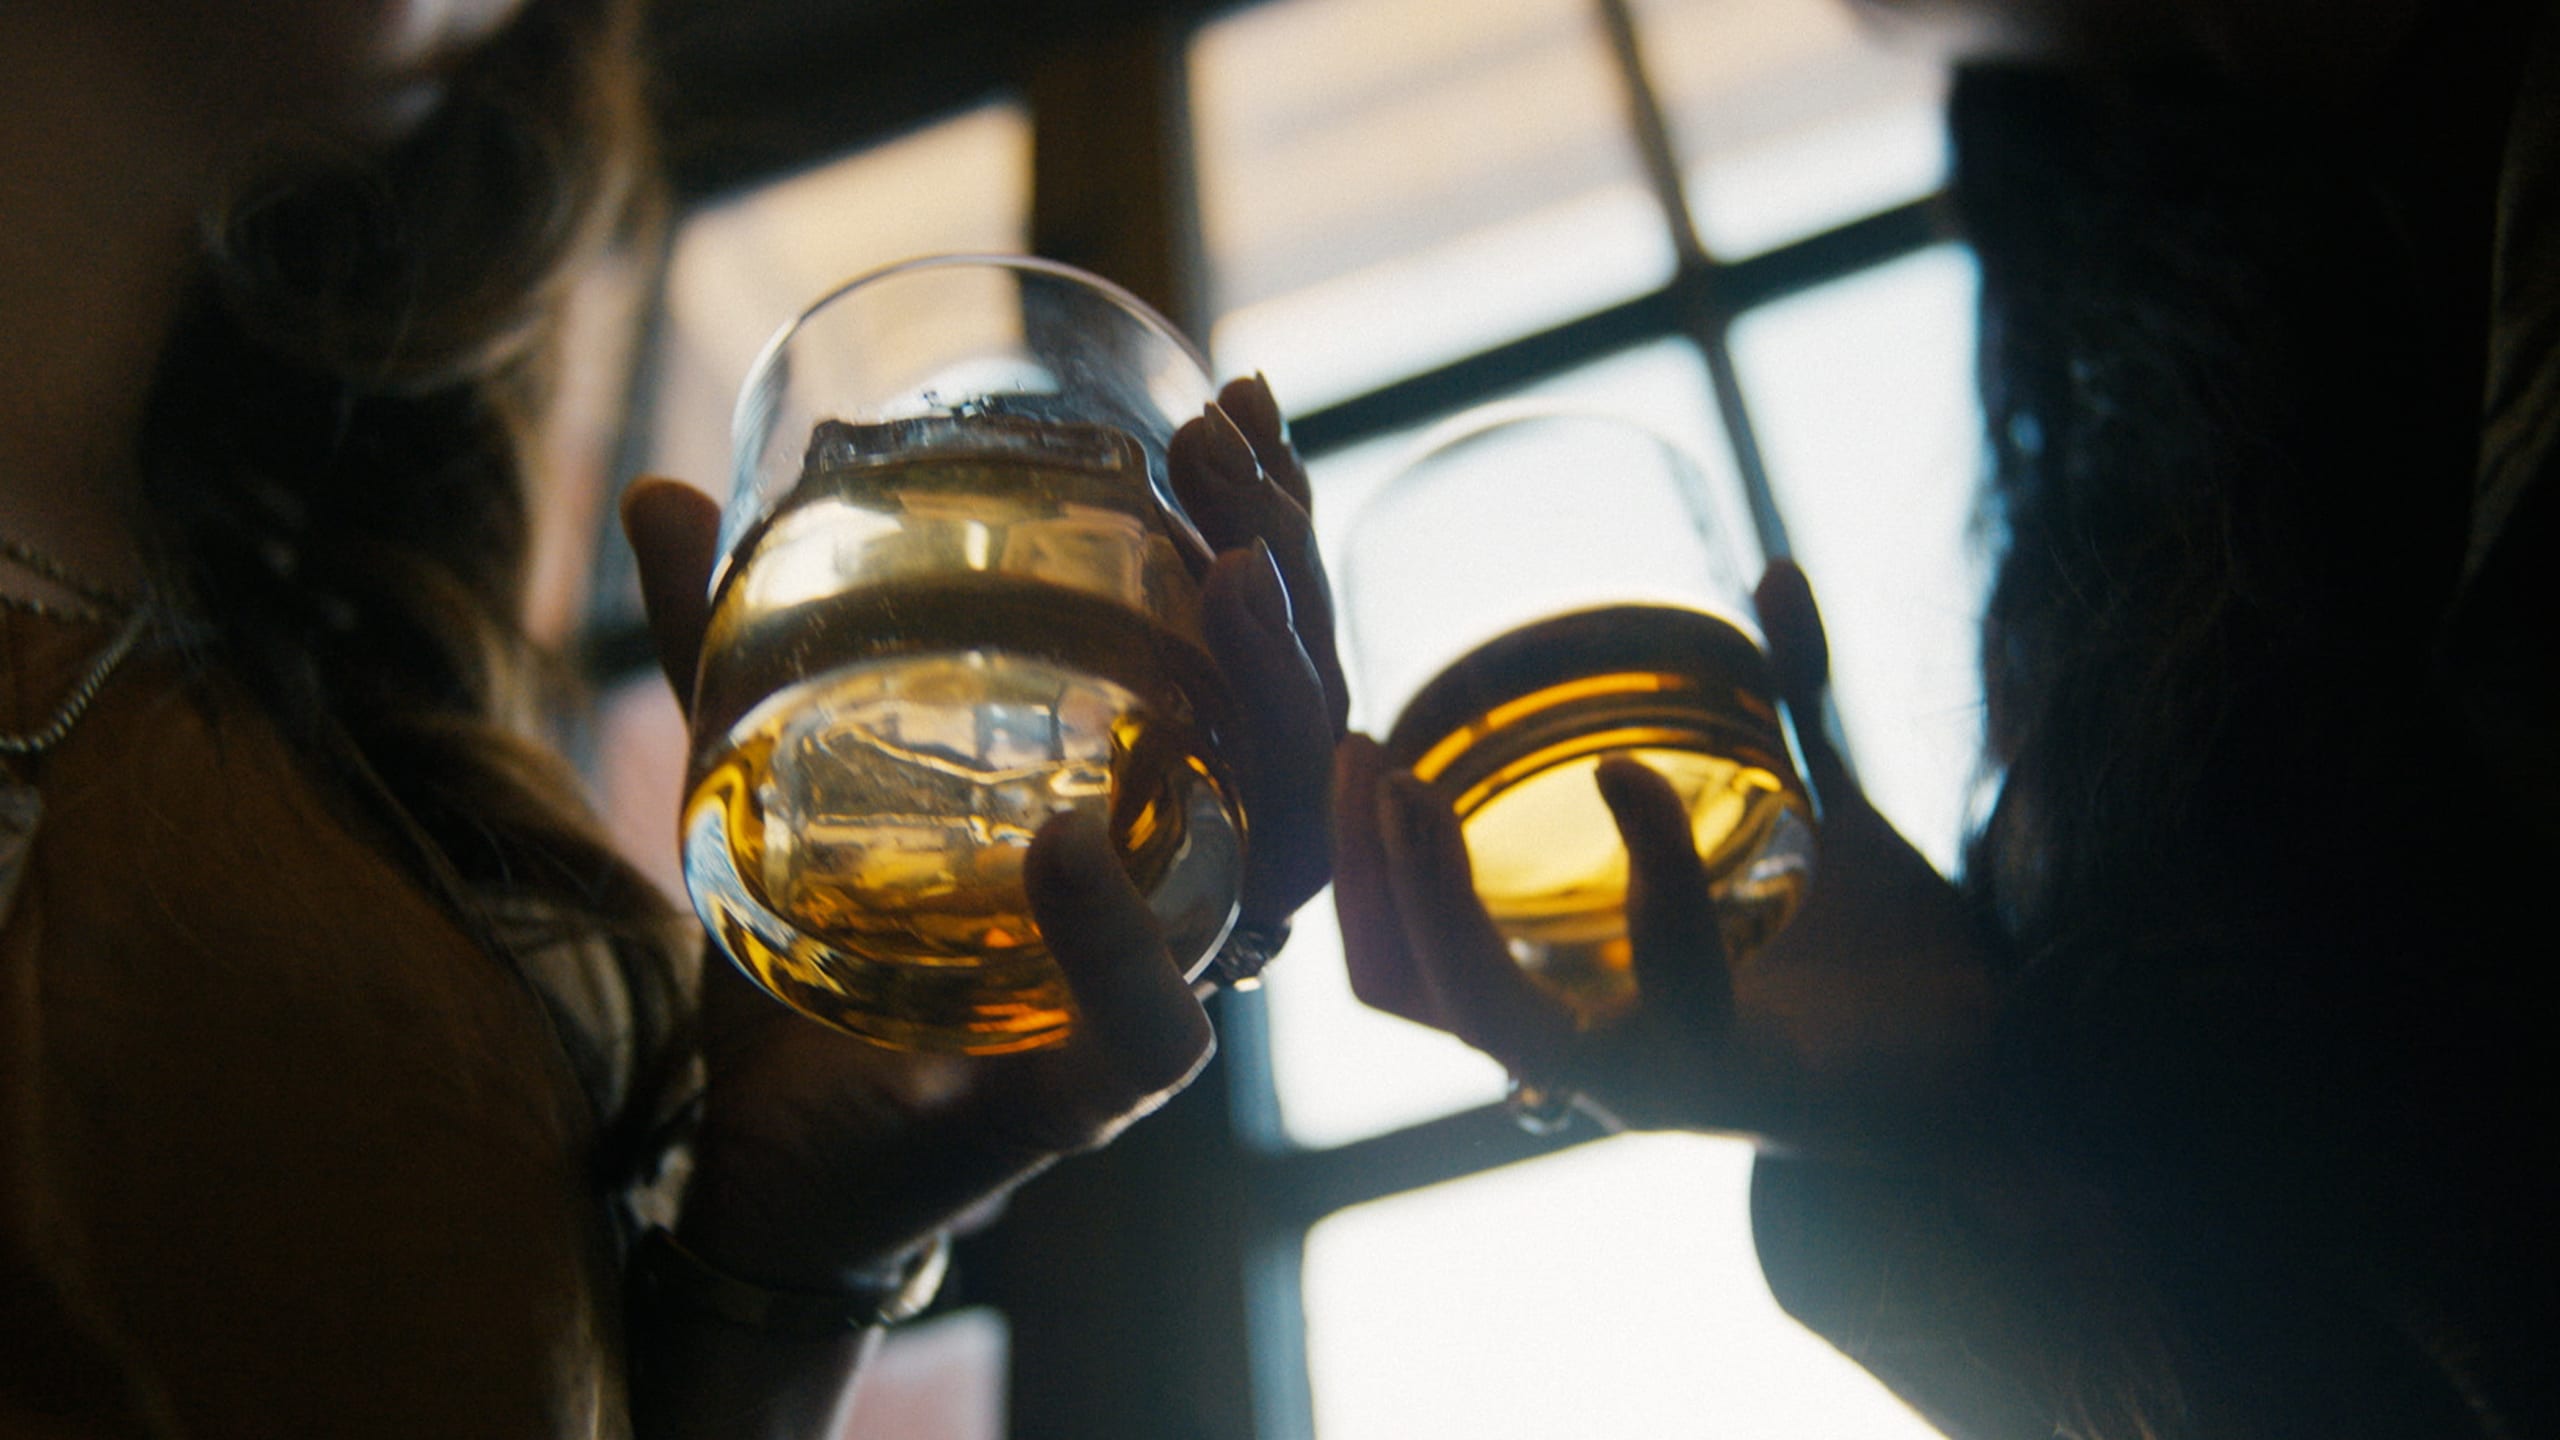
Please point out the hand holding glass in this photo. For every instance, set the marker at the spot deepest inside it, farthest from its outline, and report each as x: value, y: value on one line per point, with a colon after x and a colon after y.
x: 1539, y: 591
x: 958, y: 597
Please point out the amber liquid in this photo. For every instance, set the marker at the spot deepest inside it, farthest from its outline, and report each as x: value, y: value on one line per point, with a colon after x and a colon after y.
x: 911, y: 666
x: 1511, y: 736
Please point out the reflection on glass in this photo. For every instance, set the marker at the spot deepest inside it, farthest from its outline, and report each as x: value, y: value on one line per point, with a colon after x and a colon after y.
x: 1389, y: 184
x: 1862, y: 396
x: 1788, y: 118
x: 1605, y: 1292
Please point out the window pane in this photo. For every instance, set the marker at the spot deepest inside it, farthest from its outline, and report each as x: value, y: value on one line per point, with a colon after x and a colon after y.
x: 1389, y: 184
x: 639, y: 762
x: 1342, y: 1070
x: 1788, y: 118
x: 743, y: 267
x: 1605, y: 1292
x: 1861, y: 393
x: 576, y: 447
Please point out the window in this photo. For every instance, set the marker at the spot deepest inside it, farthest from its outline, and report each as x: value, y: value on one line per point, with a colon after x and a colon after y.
x: 1713, y: 214
x: 1375, y: 200
x: 1605, y: 1292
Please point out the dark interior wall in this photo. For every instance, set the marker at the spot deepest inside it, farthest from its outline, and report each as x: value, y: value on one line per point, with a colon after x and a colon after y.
x: 747, y: 89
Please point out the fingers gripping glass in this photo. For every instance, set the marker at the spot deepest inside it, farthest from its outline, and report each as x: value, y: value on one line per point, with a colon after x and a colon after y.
x: 957, y: 597
x: 1540, y: 590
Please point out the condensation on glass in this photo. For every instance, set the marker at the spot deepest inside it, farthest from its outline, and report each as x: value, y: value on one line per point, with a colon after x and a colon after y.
x: 1386, y: 185
x: 1789, y: 117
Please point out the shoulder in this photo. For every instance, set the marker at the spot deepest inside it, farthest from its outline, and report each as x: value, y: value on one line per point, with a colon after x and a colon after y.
x: 316, y: 1143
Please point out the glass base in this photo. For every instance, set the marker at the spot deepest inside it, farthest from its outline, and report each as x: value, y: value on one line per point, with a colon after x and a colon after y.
x: 1538, y: 1109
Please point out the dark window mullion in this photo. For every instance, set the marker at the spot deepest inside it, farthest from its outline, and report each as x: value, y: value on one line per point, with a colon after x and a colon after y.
x: 1275, y: 1250
x: 1303, y: 1187
x: 1652, y: 136
x: 1111, y: 183
x: 1124, y: 1274
x: 1707, y: 306
x: 1705, y: 313
x: 1435, y: 394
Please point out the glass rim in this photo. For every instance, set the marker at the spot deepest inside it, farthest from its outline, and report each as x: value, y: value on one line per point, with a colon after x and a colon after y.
x: 1119, y: 295
x: 1477, y: 421
x: 1454, y: 433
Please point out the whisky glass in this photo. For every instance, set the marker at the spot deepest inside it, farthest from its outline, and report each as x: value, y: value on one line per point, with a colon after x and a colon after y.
x: 1539, y: 589
x: 957, y: 597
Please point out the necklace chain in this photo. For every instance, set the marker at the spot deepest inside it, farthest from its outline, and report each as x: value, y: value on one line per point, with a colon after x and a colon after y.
x: 73, y: 611
x: 97, y: 605
x: 76, y: 704
x: 35, y: 561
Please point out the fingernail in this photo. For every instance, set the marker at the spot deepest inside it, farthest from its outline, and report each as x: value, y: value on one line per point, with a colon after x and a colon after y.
x: 1230, y: 454
x: 1265, y: 594
x: 1266, y: 407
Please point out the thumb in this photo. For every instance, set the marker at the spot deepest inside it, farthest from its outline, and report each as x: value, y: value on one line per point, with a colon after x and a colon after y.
x: 1672, y: 928
x: 674, y: 532
x: 1800, y: 661
x: 1134, y: 1011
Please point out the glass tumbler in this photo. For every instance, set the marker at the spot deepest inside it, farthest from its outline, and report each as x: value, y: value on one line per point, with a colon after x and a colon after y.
x: 1537, y: 590
x: 957, y: 596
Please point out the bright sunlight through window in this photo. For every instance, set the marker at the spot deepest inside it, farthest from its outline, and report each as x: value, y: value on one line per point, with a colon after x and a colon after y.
x: 1607, y: 1293
x: 1381, y: 192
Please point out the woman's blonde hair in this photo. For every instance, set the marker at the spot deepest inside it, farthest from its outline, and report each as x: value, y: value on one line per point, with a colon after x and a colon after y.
x: 336, y: 485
